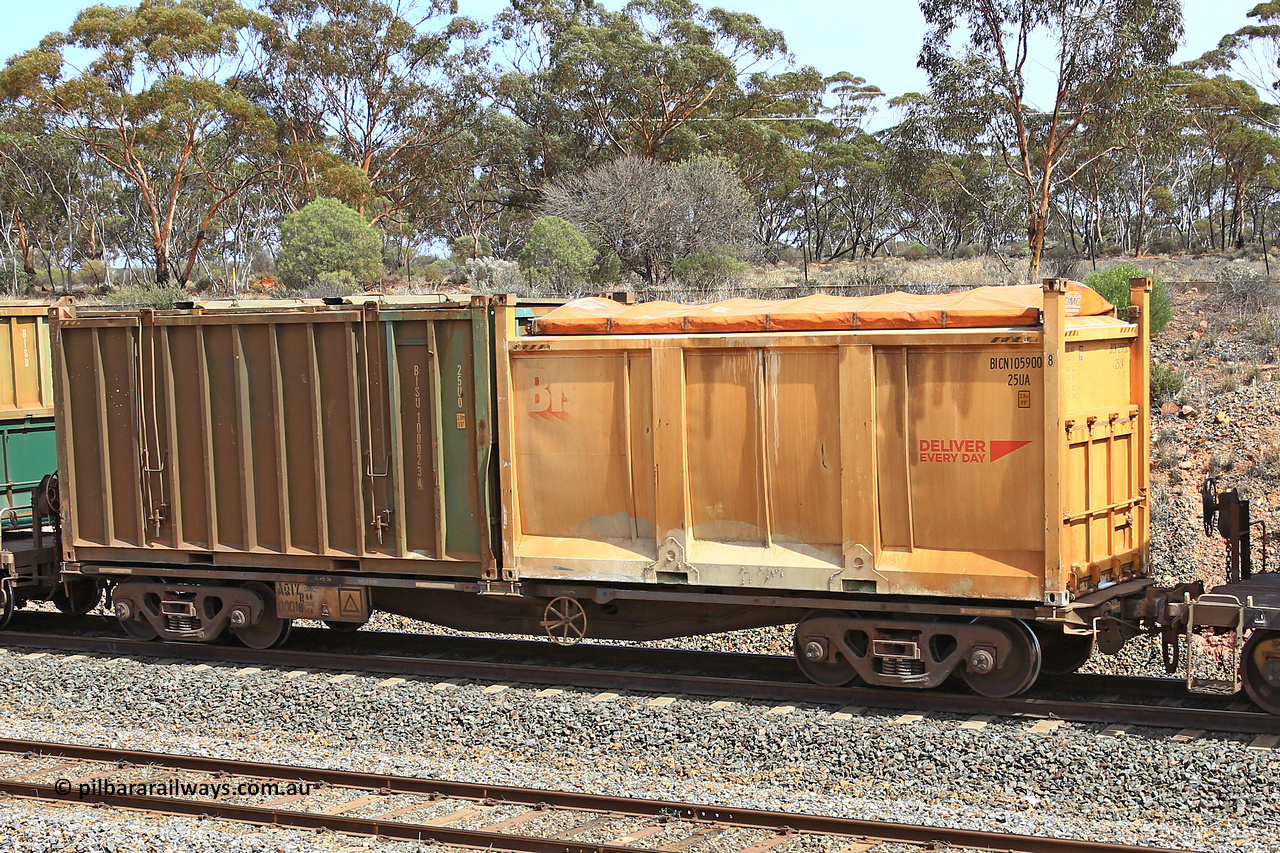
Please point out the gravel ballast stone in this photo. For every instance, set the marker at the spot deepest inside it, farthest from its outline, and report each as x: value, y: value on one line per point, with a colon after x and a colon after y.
x: 1141, y: 788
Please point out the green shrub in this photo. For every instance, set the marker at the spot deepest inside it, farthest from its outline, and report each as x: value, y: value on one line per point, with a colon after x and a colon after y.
x: 326, y: 236
x: 915, y: 252
x: 468, y: 246
x: 159, y: 298
x: 1165, y: 383
x: 1113, y: 284
x: 338, y: 283
x: 438, y: 271
x: 607, y: 269
x: 708, y: 270
x: 557, y: 253
x: 92, y: 273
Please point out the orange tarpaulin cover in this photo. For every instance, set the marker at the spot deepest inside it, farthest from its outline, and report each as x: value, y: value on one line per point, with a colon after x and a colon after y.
x: 983, y: 306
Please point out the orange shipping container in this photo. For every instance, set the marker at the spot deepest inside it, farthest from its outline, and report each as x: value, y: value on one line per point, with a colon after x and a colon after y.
x: 982, y: 446
x: 26, y: 384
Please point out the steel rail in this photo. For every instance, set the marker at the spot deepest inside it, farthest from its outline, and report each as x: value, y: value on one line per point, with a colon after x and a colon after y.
x: 481, y: 839
x: 776, y: 667
x: 772, y: 667
x: 581, y: 675
x: 336, y: 823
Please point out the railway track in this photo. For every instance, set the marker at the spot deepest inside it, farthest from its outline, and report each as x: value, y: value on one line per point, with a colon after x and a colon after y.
x: 459, y: 814
x: 1151, y: 702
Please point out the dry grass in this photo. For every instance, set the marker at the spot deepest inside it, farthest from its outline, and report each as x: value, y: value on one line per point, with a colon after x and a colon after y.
x: 939, y: 275
x: 868, y: 276
x: 1166, y: 450
x: 853, y: 278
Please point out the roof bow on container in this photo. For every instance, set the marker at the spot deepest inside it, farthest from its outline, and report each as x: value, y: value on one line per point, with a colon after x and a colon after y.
x: 1018, y: 305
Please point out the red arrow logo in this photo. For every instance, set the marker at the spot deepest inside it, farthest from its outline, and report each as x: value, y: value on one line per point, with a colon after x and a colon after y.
x: 1004, y: 448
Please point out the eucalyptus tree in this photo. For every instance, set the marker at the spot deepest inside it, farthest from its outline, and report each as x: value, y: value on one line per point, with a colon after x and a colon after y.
x: 31, y: 213
x: 1232, y: 120
x: 979, y: 56
x: 953, y: 194
x: 1251, y: 52
x: 57, y: 201
x: 1109, y: 196
x: 372, y: 99
x: 661, y: 79
x: 846, y: 201
x: 156, y: 104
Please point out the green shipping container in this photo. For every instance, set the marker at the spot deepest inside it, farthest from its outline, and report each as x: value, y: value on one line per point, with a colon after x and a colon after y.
x: 27, y: 446
x: 29, y: 452
x: 351, y: 437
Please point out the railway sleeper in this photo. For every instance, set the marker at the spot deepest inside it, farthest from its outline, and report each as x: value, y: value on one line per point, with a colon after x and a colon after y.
x: 183, y: 611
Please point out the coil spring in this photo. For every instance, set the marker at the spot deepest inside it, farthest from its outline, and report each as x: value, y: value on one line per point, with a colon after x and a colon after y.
x: 901, y: 667
x: 182, y: 623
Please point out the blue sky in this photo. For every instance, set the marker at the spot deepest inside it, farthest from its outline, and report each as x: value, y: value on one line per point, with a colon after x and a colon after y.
x: 877, y: 40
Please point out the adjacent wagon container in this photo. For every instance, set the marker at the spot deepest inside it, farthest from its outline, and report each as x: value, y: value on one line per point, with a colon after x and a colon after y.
x: 325, y: 438
x: 27, y: 451
x: 970, y: 446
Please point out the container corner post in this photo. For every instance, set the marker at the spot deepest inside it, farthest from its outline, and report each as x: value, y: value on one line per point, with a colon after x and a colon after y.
x: 1055, y: 436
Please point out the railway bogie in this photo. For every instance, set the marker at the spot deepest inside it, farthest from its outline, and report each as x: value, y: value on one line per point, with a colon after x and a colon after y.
x: 996, y: 656
x: 148, y: 607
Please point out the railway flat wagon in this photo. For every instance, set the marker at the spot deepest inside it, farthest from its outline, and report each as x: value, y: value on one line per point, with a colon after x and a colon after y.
x: 927, y: 485
x: 924, y: 483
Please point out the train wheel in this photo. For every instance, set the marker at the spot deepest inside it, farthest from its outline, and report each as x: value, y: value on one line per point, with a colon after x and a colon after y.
x: 134, y: 624
x: 269, y: 632
x: 6, y: 604
x: 77, y: 597
x: 1062, y: 653
x: 139, y: 629
x: 820, y: 664
x: 1018, y: 671
x: 1260, y: 670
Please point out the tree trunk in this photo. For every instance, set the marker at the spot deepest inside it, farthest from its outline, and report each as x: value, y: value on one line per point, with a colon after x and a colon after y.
x: 191, y: 257
x: 1262, y: 229
x: 1140, y: 235
x: 1036, y: 224
x: 28, y: 266
x: 48, y: 268
x: 162, y: 265
x: 1237, y: 215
